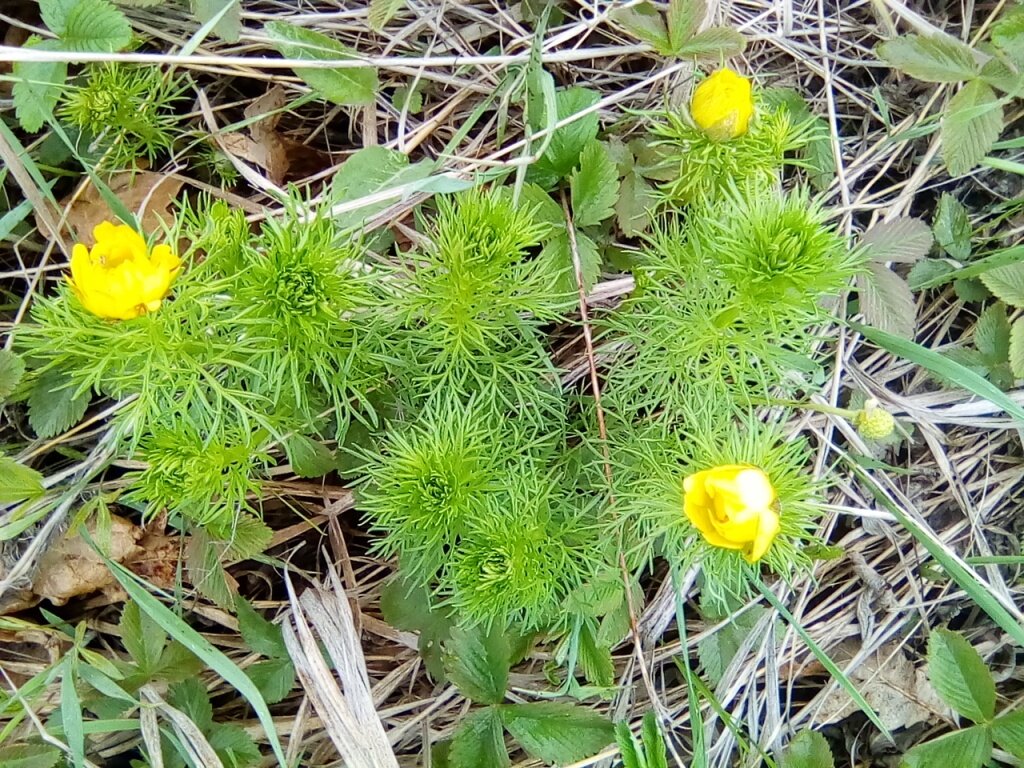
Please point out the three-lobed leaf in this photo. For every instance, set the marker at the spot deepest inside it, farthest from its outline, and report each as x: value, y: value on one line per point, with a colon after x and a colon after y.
x: 348, y: 85
x: 557, y: 732
x: 563, y: 151
x: 960, y: 676
x: 477, y: 662
x: 939, y: 59
x: 594, y: 185
x: 971, y: 124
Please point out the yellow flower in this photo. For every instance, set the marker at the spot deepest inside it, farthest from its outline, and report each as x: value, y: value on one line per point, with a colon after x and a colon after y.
x: 874, y: 422
x: 722, y: 105
x: 733, y: 506
x: 120, y: 278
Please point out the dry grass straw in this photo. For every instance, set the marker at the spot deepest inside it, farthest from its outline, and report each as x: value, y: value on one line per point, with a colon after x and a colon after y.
x: 962, y: 475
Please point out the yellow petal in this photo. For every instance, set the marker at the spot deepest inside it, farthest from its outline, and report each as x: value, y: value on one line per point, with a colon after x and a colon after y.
x: 767, y: 530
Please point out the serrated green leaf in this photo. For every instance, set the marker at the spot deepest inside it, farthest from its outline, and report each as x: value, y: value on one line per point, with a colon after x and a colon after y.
x: 274, y: 678
x: 18, y: 482
x: 808, y: 749
x: 479, y: 742
x: 645, y: 22
x: 229, y: 25
x: 634, y: 206
x: 1006, y: 283
x: 545, y: 210
x: 262, y: 636
x: 594, y: 186
x: 38, y: 86
x: 969, y: 748
x: 1008, y: 732
x: 29, y: 756
x: 926, y: 271
x: 932, y: 59
x: 960, y: 676
x: 12, y: 368
x: 819, y: 157
x: 95, y: 26
x: 233, y: 746
x: 716, y: 651
x: 368, y: 171
x: 567, y: 142
x: 557, y: 732
x: 355, y: 85
x: 992, y: 334
x: 952, y: 227
x: 971, y: 124
x: 1008, y: 36
x: 383, y: 11
x: 683, y: 18
x: 971, y: 289
x: 477, y: 661
x: 247, y: 537
x: 630, y: 751
x: 142, y: 638
x: 595, y: 660
x: 54, y: 14
x: 1016, y: 351
x: 713, y: 44
x: 192, y: 698
x: 886, y: 301
x: 204, y: 563
x: 904, y: 240
x: 53, y: 406
x: 308, y: 457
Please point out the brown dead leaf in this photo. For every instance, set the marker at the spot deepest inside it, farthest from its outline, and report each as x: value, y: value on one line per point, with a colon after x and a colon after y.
x: 147, y: 194
x: 73, y: 567
x: 897, y: 690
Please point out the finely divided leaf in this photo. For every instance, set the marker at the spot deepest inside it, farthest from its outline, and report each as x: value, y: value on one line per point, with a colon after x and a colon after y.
x: 933, y: 59
x: 808, y: 749
x: 355, y: 85
x: 18, y: 482
x: 1006, y: 283
x: 557, y: 732
x: 887, y: 302
x: 479, y: 742
x: 970, y: 126
x: 478, y: 663
x: 904, y: 240
x: 594, y: 185
x: 53, y: 405
x: 960, y: 676
x: 969, y: 748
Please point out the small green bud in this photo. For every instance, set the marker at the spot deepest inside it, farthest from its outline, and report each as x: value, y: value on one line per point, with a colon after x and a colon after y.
x: 874, y: 422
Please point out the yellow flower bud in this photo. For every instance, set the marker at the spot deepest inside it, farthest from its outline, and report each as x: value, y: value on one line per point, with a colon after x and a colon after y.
x: 722, y: 105
x: 119, y: 277
x: 733, y: 506
x: 874, y: 422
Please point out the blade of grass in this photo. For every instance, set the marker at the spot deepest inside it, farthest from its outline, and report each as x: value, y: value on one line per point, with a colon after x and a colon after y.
x: 138, y: 591
x: 826, y: 661
x: 941, y: 366
x: 71, y: 709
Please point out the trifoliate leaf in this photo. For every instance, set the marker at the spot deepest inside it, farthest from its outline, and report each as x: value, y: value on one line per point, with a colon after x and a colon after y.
x: 260, y: 635
x: 274, y: 678
x: 229, y: 25
x: 478, y: 663
x: 992, y: 334
x: 53, y: 405
x: 12, y: 368
x: 29, y: 756
x: 1016, y: 352
x: 479, y: 742
x: 37, y: 86
x: 1008, y: 731
x: 308, y: 457
x: 713, y: 44
x: 645, y: 22
x: 95, y: 26
x: 969, y: 748
x: 567, y: 142
x: 557, y: 732
x: 971, y: 124
x: 355, y: 85
x: 886, y: 301
x: 932, y: 59
x: 903, y: 240
x: 594, y: 185
x: 960, y: 676
x: 808, y: 749
x: 18, y: 482
x: 383, y: 11
x: 952, y: 227
x: 633, y: 208
x: 1006, y: 283
x: 683, y: 18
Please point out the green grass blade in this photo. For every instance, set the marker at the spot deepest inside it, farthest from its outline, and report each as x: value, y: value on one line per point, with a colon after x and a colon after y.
x: 942, y: 366
x: 71, y: 710
x: 201, y: 647
x: 826, y: 662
